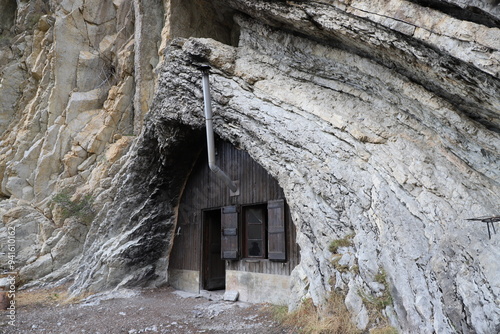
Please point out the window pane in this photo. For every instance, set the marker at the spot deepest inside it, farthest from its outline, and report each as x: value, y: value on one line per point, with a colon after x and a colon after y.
x: 255, y: 216
x: 254, y: 232
x: 254, y: 247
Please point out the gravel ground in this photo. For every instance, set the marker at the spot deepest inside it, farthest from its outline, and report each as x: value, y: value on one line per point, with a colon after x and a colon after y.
x: 162, y: 310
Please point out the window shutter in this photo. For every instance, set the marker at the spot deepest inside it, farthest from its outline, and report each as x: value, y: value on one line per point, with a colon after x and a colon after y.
x: 229, y: 226
x: 276, y: 230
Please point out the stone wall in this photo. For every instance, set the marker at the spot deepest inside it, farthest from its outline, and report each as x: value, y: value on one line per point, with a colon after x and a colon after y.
x: 380, y: 122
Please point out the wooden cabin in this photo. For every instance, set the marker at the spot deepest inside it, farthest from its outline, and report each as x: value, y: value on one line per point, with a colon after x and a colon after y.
x: 243, y: 241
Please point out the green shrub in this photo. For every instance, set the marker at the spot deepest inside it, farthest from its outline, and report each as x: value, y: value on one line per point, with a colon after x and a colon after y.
x: 81, y: 209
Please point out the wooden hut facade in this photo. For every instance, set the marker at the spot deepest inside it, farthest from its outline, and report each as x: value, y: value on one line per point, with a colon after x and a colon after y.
x: 242, y: 241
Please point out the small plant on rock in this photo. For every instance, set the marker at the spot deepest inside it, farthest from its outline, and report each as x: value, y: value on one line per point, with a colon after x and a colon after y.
x: 340, y: 267
x: 344, y: 242
x: 81, y: 209
x: 376, y: 305
x: 384, y: 298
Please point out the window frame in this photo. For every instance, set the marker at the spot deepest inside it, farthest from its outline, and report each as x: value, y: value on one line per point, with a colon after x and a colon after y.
x: 245, y: 238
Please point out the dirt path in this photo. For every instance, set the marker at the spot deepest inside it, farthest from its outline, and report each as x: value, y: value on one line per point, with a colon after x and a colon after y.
x: 148, y: 311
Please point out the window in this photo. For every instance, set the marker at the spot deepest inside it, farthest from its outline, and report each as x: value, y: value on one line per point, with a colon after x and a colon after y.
x: 262, y: 233
x: 254, y: 225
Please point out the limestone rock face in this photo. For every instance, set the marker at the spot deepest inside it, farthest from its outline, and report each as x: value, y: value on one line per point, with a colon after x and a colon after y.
x: 67, y: 94
x: 361, y: 149
x: 380, y: 120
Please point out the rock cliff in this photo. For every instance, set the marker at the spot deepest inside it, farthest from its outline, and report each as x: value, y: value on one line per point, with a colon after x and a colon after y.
x: 379, y: 119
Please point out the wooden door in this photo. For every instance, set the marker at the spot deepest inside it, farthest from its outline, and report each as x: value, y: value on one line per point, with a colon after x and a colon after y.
x: 214, y: 268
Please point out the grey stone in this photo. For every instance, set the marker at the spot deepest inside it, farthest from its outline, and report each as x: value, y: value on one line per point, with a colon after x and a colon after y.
x: 231, y: 296
x: 41, y: 267
x: 354, y: 304
x: 376, y: 286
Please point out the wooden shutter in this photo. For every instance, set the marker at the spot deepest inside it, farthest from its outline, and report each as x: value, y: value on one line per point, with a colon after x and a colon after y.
x: 229, y: 229
x: 276, y: 230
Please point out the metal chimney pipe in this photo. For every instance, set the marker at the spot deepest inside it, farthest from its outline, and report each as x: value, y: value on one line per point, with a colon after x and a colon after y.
x: 210, y: 131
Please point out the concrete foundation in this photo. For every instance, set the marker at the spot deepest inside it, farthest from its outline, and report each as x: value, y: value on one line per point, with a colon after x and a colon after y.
x: 259, y: 288
x: 185, y: 280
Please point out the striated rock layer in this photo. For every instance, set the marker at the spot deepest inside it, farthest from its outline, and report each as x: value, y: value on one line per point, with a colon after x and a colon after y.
x: 380, y: 120
x: 69, y: 101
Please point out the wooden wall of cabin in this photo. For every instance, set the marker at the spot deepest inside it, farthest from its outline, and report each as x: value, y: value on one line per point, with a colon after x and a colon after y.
x: 205, y: 191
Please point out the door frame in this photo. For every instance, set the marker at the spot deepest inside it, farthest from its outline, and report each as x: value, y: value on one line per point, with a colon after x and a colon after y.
x: 205, y: 247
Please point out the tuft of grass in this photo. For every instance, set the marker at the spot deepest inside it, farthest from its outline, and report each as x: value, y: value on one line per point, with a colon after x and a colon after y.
x: 355, y: 269
x: 386, y: 298
x: 59, y: 295
x: 341, y: 268
x: 41, y: 296
x: 308, y: 319
x: 81, y: 209
x: 376, y: 304
x: 381, y: 277
x: 384, y: 330
x: 344, y: 242
x: 382, y: 301
x: 278, y: 312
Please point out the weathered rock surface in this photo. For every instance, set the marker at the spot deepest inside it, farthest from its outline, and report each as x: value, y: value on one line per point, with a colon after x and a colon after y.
x: 66, y: 118
x: 379, y: 119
